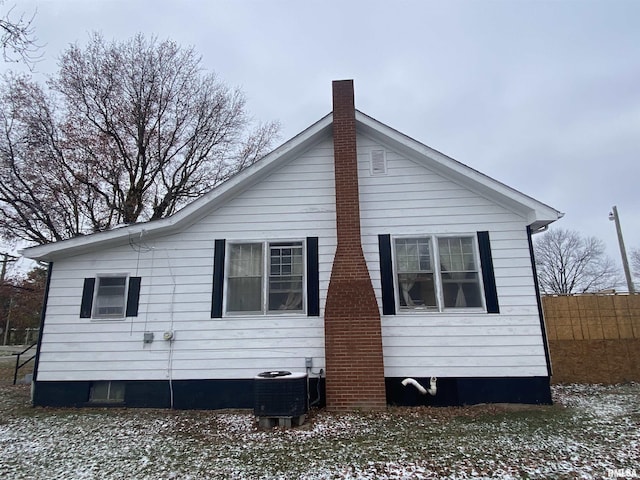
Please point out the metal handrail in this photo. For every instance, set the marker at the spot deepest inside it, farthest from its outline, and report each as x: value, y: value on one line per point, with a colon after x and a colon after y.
x: 20, y: 365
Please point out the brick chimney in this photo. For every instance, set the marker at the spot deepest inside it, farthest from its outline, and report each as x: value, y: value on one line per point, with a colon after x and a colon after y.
x: 353, y: 338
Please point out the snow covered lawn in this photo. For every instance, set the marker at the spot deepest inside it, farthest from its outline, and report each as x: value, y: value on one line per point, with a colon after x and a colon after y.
x: 591, y: 432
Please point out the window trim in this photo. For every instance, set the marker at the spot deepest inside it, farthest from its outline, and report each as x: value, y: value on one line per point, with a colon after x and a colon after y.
x: 437, y: 275
x: 94, y: 309
x: 265, y: 278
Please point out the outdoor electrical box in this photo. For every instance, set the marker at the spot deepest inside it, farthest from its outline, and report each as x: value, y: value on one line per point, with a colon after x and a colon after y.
x: 148, y: 337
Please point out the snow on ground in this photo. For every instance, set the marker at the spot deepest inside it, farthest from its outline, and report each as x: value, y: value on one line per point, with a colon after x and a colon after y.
x: 591, y: 432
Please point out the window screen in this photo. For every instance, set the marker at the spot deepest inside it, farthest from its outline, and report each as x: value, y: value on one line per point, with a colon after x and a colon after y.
x: 110, y: 297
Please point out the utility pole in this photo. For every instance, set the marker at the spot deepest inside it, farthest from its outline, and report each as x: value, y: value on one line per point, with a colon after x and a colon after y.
x: 623, y: 251
x: 6, y: 330
x: 5, y: 260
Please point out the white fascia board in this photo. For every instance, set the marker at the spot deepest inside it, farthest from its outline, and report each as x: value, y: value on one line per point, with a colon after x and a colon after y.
x: 191, y: 212
x: 536, y: 213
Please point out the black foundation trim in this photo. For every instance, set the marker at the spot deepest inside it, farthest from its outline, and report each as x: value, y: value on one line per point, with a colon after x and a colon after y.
x: 239, y: 393
x: 459, y: 391
x: 187, y: 394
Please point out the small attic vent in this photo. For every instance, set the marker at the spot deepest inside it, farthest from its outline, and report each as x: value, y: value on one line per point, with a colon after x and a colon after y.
x: 378, y: 162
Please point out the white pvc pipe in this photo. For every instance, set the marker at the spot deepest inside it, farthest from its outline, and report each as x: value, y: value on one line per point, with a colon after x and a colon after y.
x: 411, y: 381
x: 433, y: 389
x: 432, y: 385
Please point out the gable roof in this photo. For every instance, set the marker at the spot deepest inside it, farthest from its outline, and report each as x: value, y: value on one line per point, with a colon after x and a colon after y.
x: 538, y: 214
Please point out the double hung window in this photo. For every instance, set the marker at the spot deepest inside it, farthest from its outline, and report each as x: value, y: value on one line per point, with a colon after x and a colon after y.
x: 265, y: 277
x: 436, y: 273
x: 110, y: 297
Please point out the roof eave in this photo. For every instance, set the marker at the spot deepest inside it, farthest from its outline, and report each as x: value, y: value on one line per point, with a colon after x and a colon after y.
x: 536, y: 213
x: 191, y: 212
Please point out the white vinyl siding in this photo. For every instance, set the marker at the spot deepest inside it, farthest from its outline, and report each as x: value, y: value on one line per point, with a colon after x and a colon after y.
x: 411, y: 200
x: 296, y: 201
x: 293, y: 202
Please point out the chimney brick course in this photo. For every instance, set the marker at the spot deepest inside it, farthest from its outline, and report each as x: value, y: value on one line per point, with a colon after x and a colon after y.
x: 353, y: 337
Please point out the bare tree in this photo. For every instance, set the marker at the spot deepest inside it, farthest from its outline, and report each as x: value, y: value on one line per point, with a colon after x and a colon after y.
x: 569, y: 263
x: 18, y: 39
x: 126, y: 132
x: 33, y: 203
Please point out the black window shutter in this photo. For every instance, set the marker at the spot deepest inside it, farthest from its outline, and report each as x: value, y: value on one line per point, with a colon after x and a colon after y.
x: 488, y: 276
x: 218, y: 278
x: 87, y: 297
x: 386, y: 275
x: 313, y: 278
x: 133, y: 297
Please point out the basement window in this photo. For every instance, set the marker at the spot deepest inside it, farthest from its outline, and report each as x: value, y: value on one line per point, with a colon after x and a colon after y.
x: 107, y: 392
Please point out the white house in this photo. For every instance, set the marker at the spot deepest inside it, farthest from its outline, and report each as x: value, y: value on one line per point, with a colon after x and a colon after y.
x: 352, y: 252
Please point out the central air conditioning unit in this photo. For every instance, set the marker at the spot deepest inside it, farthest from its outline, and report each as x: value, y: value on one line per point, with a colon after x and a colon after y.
x: 280, y: 397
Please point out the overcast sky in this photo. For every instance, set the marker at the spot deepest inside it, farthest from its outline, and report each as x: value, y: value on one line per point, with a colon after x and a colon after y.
x: 541, y: 95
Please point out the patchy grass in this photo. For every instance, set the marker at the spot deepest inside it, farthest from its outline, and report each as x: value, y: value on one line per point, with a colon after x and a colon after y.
x: 590, y: 431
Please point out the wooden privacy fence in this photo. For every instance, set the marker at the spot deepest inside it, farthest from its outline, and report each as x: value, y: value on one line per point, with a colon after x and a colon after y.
x: 593, y: 338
